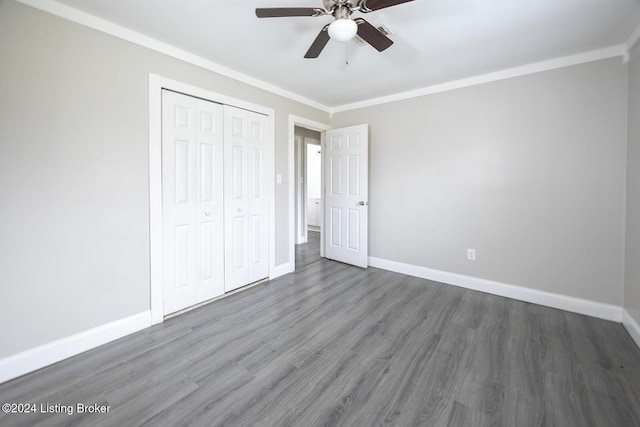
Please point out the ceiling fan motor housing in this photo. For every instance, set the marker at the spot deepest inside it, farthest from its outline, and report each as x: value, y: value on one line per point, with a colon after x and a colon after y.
x: 329, y: 5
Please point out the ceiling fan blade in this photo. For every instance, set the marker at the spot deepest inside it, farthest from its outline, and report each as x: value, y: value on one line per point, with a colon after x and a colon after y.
x: 372, y: 35
x: 278, y: 12
x: 371, y: 5
x: 319, y: 43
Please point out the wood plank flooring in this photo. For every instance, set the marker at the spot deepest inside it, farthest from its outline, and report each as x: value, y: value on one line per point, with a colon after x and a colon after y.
x: 309, y: 252
x: 334, y: 345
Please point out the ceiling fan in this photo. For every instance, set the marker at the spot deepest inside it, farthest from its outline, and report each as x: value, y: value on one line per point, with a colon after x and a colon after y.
x: 344, y: 28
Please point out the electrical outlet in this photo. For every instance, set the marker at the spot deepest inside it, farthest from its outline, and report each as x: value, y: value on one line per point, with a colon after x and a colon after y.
x: 471, y: 254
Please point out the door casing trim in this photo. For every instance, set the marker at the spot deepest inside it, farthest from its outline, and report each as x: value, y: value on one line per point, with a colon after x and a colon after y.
x: 316, y: 126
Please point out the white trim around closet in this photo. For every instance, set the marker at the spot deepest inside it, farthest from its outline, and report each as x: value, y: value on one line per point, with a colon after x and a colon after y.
x: 156, y: 84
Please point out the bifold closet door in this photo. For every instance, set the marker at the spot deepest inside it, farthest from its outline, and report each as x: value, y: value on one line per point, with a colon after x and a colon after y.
x: 246, y: 201
x: 192, y: 198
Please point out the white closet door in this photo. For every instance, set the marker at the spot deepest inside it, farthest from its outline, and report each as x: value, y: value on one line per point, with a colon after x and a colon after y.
x: 258, y: 200
x: 192, y: 197
x: 246, y: 201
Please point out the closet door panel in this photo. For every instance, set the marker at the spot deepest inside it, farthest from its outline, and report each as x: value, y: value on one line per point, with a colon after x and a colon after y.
x: 258, y: 201
x: 192, y: 144
x: 210, y: 199
x: 246, y: 201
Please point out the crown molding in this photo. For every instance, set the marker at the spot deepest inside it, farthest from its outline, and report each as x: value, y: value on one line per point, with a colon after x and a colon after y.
x: 633, y: 40
x: 99, y: 24
x: 567, y: 61
x: 55, y: 8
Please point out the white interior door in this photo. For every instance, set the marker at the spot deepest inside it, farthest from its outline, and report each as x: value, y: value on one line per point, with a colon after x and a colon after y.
x: 192, y: 200
x: 246, y: 198
x: 347, y: 195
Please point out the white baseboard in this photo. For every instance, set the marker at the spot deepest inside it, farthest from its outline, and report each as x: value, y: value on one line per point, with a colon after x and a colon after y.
x: 28, y: 361
x: 31, y: 360
x: 563, y: 302
x: 281, y: 270
x: 632, y: 326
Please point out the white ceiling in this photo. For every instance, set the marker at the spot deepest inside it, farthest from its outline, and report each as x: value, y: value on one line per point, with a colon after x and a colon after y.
x: 436, y: 41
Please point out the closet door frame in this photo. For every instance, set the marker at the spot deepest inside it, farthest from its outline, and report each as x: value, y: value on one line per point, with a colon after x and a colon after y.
x: 156, y: 84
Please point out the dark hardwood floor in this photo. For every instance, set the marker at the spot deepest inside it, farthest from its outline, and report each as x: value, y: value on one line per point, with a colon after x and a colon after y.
x: 337, y: 345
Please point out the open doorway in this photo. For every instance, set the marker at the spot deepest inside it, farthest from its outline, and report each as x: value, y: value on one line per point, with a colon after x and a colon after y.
x: 308, y: 195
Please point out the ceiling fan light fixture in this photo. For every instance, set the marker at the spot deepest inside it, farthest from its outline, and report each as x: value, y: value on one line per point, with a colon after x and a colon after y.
x: 343, y: 29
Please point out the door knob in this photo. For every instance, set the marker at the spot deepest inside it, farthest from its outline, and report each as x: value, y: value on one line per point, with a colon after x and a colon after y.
x: 363, y: 203
x: 239, y: 209
x: 207, y: 213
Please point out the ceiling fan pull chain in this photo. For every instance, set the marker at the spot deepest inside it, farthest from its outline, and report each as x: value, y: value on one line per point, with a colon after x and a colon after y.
x: 346, y: 53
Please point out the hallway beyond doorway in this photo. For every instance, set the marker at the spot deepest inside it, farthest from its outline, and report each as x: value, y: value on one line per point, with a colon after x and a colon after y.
x: 309, y: 252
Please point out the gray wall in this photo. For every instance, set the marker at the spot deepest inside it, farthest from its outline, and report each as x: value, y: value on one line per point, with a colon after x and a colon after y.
x: 74, y: 229
x: 632, y: 264
x: 529, y: 171
x: 306, y: 133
